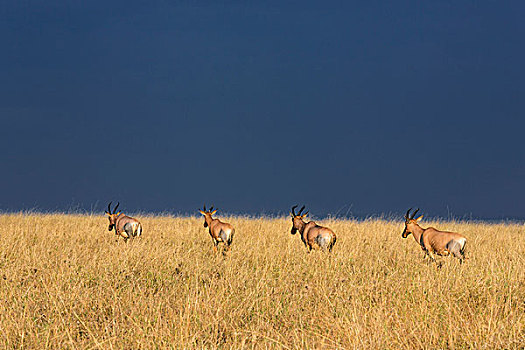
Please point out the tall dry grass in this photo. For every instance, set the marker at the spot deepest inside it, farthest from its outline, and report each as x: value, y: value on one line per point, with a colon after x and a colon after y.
x: 65, y: 282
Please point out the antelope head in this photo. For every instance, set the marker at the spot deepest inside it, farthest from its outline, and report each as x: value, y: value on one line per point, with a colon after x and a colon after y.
x: 112, y: 216
x: 207, y: 214
x: 410, y: 222
x: 297, y: 219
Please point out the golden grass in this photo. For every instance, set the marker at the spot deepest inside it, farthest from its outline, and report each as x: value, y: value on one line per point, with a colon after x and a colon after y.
x: 67, y: 283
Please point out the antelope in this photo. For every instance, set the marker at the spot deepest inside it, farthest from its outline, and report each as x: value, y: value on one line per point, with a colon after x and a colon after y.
x: 433, y: 241
x: 219, y: 231
x: 312, y: 235
x: 125, y: 226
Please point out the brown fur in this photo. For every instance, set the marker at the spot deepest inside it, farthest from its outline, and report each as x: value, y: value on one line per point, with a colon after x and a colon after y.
x: 311, y: 233
x: 219, y: 231
x: 118, y: 221
x: 434, y: 241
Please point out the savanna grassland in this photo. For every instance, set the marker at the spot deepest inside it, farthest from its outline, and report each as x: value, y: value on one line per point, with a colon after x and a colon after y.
x: 66, y: 282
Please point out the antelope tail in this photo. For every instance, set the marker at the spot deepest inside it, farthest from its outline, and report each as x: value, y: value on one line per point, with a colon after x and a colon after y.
x: 332, y: 243
x: 230, y: 238
x: 462, y: 251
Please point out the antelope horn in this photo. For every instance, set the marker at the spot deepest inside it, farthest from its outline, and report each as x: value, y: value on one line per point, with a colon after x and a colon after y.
x: 293, y: 210
x: 414, y: 214
x: 204, y: 207
x: 109, y: 207
x: 407, y: 215
x: 301, y: 210
x: 115, y: 210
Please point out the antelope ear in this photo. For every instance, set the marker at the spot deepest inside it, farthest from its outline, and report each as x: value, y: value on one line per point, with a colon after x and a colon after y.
x: 419, y: 218
x: 304, y: 215
x: 107, y: 213
x: 291, y: 214
x: 213, y: 212
x: 203, y: 213
x: 118, y: 213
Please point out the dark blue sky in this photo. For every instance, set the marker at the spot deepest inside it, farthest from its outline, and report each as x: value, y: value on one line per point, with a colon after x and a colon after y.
x: 366, y: 108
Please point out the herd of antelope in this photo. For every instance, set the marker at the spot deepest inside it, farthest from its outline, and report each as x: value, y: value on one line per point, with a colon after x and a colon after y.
x: 432, y: 241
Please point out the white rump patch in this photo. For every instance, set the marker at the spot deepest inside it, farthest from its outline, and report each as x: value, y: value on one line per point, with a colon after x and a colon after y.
x: 323, y: 241
x: 224, y: 236
x: 461, y: 241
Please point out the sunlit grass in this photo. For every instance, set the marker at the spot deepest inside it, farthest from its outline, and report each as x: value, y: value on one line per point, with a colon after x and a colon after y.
x: 66, y: 282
